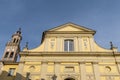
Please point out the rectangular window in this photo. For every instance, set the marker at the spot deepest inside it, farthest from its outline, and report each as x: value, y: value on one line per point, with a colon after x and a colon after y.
x: 71, y: 45
x: 11, y: 71
x: 68, y: 45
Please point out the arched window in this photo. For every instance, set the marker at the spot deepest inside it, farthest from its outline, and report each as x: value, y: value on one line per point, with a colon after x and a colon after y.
x: 14, y: 40
x: 6, y: 54
x: 11, y: 55
x: 68, y: 45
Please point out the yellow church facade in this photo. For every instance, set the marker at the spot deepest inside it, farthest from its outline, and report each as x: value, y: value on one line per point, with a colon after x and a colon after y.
x: 67, y: 52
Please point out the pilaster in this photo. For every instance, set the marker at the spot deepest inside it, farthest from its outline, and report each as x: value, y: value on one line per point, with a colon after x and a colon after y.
x: 20, y: 71
x: 58, y: 44
x: 76, y: 43
x: 62, y: 44
x: 82, y: 71
x: 79, y: 43
x: 96, y: 71
x: 57, y: 70
x: 91, y: 43
x: 46, y: 44
x: 44, y: 66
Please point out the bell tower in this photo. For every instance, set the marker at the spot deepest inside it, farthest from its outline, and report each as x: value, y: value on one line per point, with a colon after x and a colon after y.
x: 12, y: 47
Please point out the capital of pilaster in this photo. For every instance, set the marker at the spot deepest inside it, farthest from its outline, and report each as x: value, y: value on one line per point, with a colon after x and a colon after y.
x: 57, y: 62
x: 118, y: 62
x: 79, y: 36
x: 90, y: 36
x: 22, y: 62
x: 95, y: 62
x: 81, y: 62
x: 75, y: 36
x: 44, y: 62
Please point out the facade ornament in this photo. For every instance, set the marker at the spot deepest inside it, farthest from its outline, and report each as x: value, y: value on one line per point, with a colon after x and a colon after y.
x: 111, y: 45
x: 26, y: 47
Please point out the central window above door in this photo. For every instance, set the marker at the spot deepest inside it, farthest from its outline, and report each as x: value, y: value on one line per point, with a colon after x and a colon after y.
x: 68, y: 45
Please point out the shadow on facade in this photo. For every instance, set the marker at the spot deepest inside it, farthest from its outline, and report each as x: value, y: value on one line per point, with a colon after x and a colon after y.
x: 5, y: 76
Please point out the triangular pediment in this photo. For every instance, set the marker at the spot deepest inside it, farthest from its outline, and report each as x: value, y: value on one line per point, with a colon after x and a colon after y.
x: 71, y: 27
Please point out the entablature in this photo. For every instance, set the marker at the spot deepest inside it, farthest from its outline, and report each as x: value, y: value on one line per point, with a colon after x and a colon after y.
x: 95, y: 54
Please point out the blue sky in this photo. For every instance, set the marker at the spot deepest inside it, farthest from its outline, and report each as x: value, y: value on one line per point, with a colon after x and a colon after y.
x: 35, y: 16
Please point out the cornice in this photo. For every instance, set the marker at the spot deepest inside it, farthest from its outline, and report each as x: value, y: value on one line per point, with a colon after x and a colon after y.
x: 69, y: 32
x: 10, y: 63
x: 96, y: 54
